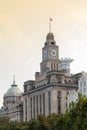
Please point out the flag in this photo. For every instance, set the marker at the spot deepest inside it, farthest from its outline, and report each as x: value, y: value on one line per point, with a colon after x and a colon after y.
x: 51, y: 19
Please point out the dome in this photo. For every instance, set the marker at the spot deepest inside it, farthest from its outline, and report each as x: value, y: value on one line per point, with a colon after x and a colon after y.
x: 13, y: 91
x: 50, y: 39
x: 50, y: 36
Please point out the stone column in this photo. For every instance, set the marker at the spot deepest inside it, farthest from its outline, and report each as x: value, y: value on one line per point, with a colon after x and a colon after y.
x: 53, y: 101
x: 28, y: 107
x: 39, y: 104
x: 35, y: 107
x: 46, y: 103
x: 23, y: 109
x: 32, y: 108
x: 63, y: 101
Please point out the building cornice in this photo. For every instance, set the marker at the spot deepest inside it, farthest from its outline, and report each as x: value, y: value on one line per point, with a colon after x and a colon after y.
x: 45, y: 86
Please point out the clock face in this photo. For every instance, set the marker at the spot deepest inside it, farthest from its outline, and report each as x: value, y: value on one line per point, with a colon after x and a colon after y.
x: 53, y: 52
x: 44, y: 53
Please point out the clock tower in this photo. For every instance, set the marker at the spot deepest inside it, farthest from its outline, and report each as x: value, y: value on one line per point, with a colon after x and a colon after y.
x: 50, y: 55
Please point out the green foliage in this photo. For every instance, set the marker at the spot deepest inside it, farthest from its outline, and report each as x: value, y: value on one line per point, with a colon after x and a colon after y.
x: 42, y: 123
x: 51, y: 119
x: 32, y: 124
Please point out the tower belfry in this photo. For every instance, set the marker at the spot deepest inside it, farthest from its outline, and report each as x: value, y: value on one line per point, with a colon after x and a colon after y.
x: 50, y: 55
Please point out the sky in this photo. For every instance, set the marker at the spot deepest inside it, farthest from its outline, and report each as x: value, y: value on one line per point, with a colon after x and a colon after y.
x: 24, y: 25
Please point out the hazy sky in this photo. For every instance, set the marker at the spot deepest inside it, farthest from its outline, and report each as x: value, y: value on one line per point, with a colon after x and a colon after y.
x: 24, y: 25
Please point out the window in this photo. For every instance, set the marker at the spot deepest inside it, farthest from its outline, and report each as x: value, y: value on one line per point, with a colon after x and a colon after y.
x: 40, y: 105
x: 57, y: 66
x: 59, y: 101
x: 51, y: 66
x: 59, y: 105
x: 37, y: 104
x: 59, y: 93
x: 52, y: 43
x: 45, y: 43
x: 26, y: 109
x: 49, y: 102
x: 31, y: 106
x: 44, y: 103
x: 34, y: 106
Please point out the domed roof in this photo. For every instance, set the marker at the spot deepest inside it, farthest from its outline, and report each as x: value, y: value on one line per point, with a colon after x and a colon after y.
x: 13, y: 90
x: 50, y: 39
x: 50, y: 36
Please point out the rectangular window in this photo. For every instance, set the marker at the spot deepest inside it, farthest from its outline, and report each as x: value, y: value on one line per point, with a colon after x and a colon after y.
x: 40, y: 105
x: 34, y: 106
x: 59, y: 93
x: 37, y: 104
x: 26, y: 109
x: 49, y: 102
x: 31, y: 106
x: 44, y: 103
x: 59, y: 101
x: 51, y: 66
x: 59, y: 106
x: 57, y: 66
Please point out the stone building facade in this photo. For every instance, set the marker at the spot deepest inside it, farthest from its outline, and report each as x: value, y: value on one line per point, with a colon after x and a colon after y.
x: 48, y: 93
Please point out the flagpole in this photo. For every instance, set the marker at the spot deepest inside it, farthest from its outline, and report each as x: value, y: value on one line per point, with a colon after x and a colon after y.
x: 49, y: 25
x: 50, y: 19
x: 13, y: 79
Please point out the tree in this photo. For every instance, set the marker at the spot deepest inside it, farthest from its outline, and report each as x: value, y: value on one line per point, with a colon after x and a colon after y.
x: 42, y: 123
x: 51, y: 119
x: 76, y: 116
x: 32, y: 124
